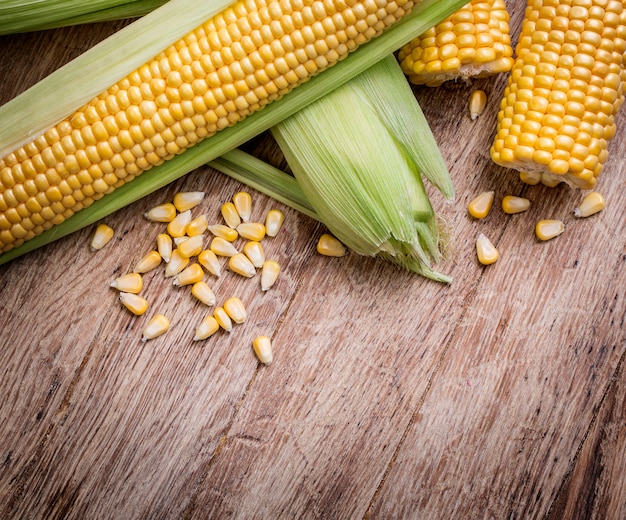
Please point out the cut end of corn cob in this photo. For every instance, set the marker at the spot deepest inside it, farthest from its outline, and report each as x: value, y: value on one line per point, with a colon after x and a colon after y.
x: 473, y: 42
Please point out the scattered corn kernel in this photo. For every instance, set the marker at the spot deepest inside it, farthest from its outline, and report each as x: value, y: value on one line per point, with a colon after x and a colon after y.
x: 197, y: 226
x: 178, y: 226
x: 269, y: 274
x: 241, y: 264
x: 254, y: 251
x: 231, y: 217
x: 161, y: 213
x: 547, y: 229
x: 207, y: 327
x: 481, y: 205
x: 251, y: 230
x: 209, y: 261
x: 328, y: 245
x: 179, y: 240
x: 235, y: 309
x: 193, y: 246
x: 203, y: 293
x: 222, y: 247
x: 243, y: 204
x: 189, y: 275
x: 130, y: 283
x: 134, y: 303
x: 186, y: 200
x: 487, y: 253
x: 590, y: 205
x: 262, y: 346
x: 478, y: 101
x: 176, y: 264
x: 223, y: 319
x: 273, y: 222
x: 164, y: 246
x: 101, y: 237
x: 151, y: 261
x: 225, y: 232
x: 157, y: 325
x: 512, y: 205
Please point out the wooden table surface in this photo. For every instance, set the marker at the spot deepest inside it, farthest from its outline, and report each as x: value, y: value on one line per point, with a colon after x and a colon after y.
x: 501, y: 395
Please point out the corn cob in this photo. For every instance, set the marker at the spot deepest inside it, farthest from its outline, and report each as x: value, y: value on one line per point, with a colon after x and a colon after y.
x: 473, y: 42
x: 558, y: 112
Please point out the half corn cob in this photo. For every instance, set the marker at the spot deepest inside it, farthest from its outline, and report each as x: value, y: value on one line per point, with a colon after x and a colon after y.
x: 558, y: 112
x: 473, y: 42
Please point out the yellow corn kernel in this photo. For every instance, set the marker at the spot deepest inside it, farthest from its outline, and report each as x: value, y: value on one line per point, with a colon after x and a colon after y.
x: 262, y: 346
x: 231, y: 217
x: 193, y: 246
x: 207, y: 327
x: 101, y: 237
x: 254, y: 251
x: 547, y: 229
x: 189, y: 275
x: 273, y: 222
x: 550, y: 180
x: 178, y: 226
x: 149, y: 262
x: 251, y: 231
x: 164, y: 246
x: 269, y: 274
x: 161, y: 213
x: 235, y: 309
x: 225, y: 232
x: 186, y: 200
x: 485, y: 250
x: 328, y: 245
x: 240, y: 264
x: 176, y: 264
x: 134, y: 303
x: 243, y: 204
x: 158, y: 324
x: 222, y: 247
x: 203, y: 293
x: 512, y: 205
x: 531, y: 178
x: 478, y: 101
x: 481, y: 205
x: 592, y: 203
x: 223, y: 319
x: 209, y: 261
x: 130, y: 283
x: 197, y: 226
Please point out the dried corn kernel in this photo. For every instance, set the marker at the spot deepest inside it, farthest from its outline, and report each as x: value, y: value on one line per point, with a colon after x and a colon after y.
x: 231, y: 217
x: 164, y: 246
x: 481, y: 205
x: 241, y: 264
x: 130, y: 283
x: 512, y: 205
x: 197, y: 226
x: 151, y: 261
x: 222, y: 247
x: 478, y: 101
x: 251, y: 231
x: 134, y: 303
x: 590, y: 205
x: 157, y: 325
x: 235, y: 309
x: 273, y: 222
x: 161, y: 213
x: 269, y: 274
x: 178, y: 226
x: 225, y: 232
x: 209, y: 261
x: 207, y: 327
x: 262, y: 346
x: 547, y: 229
x: 223, y: 319
x: 192, y: 246
x: 203, y: 293
x: 176, y: 264
x: 254, y: 251
x: 186, y: 200
x: 243, y: 204
x: 328, y: 245
x: 101, y: 237
x: 189, y: 275
x: 487, y: 253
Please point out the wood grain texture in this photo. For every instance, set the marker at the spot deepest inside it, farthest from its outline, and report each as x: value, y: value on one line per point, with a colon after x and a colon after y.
x: 501, y: 395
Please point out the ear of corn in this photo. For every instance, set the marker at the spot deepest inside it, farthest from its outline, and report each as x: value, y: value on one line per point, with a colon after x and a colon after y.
x: 558, y: 112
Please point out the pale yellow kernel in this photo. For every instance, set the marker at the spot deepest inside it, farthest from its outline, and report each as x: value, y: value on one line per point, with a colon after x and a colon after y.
x: 164, y: 246
x: 176, y: 264
x: 243, y: 204
x: 186, y: 200
x: 512, y: 205
x: 210, y: 262
x: 240, y: 264
x: 149, y: 262
x: 162, y: 213
x: 207, y: 327
x: 269, y: 274
x: 548, y: 229
x: 235, y: 309
x: 531, y: 178
x: 193, y: 246
x: 189, y: 275
x: 158, y: 325
x: 478, y: 101
x: 101, y: 237
x: 178, y: 226
x: 223, y: 319
x: 203, y: 292
x: 197, y: 226
x: 485, y: 250
x: 328, y: 245
x: 231, y: 217
x: 223, y: 231
x: 251, y: 230
x: 130, y: 283
x: 480, y: 206
x: 273, y: 222
x: 592, y: 203
x: 255, y: 253
x: 262, y: 346
x: 134, y: 303
x: 222, y: 247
